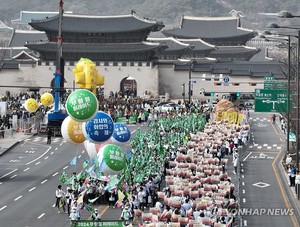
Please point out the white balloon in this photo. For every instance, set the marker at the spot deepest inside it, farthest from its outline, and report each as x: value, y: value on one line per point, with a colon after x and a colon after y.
x: 93, y: 148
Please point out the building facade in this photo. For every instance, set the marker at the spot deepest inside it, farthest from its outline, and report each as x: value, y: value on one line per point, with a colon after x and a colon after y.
x: 133, y: 62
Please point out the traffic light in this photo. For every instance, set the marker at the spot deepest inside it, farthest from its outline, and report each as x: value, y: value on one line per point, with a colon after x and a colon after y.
x: 209, y: 94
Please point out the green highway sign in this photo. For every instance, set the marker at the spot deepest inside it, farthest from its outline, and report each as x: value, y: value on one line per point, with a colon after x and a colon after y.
x: 275, y: 84
x: 272, y: 100
x: 103, y: 223
x: 292, y: 137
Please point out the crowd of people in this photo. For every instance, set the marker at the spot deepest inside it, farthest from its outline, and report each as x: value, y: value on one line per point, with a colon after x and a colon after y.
x: 177, y: 172
x: 176, y: 175
x: 198, y: 189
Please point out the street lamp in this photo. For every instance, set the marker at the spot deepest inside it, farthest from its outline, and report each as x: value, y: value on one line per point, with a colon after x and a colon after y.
x: 183, y: 92
x: 273, y: 25
x: 191, y: 63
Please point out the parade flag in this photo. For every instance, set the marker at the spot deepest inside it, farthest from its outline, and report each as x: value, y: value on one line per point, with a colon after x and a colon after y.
x: 88, y: 207
x: 63, y: 177
x: 93, y: 200
x: 90, y: 169
x: 85, y: 164
x: 121, y: 196
x: 102, y: 166
x: 70, y: 180
x: 73, y: 161
x: 80, y: 199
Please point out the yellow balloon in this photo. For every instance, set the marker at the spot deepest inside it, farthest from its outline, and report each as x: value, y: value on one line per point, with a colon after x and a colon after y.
x: 31, y: 105
x: 47, y: 99
x: 71, y: 130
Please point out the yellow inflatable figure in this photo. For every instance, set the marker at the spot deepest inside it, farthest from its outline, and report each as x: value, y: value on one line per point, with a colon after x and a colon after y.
x: 31, y: 105
x: 86, y: 75
x: 47, y: 99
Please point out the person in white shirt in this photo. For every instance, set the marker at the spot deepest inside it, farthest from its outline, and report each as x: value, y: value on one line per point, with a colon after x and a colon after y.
x: 73, y: 216
x: 60, y: 202
x: 95, y: 215
x: 159, y: 205
x: 196, y: 214
x: 69, y: 199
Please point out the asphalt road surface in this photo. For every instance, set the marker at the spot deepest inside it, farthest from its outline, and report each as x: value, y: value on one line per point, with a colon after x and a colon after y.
x: 262, y: 202
x: 29, y: 176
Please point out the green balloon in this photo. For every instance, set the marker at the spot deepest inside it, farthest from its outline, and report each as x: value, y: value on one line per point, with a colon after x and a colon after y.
x: 82, y: 105
x: 114, y: 157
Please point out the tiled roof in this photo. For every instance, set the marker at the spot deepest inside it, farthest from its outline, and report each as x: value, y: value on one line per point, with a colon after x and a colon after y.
x: 171, y: 43
x: 252, y: 69
x: 198, y: 44
x: 94, y: 47
x: 27, y: 16
x: 20, y: 37
x: 98, y: 24
x: 229, y: 52
x: 207, y: 27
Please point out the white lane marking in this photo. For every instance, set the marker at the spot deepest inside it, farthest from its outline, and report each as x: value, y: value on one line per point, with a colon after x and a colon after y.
x: 133, y: 131
x: 82, y: 152
x: 242, y: 164
x: 18, y: 198
x: 274, y: 145
x: 8, y: 173
x: 65, y: 167
x: 244, y: 191
x: 46, y: 157
x: 247, y: 156
x: 30, y: 190
x: 44, y: 181
x: 243, y: 183
x: 41, y: 215
x: 55, y: 174
x: 39, y: 156
x: 242, y: 170
x: 52, y: 153
x: 244, y: 200
x: 26, y: 169
x: 56, y: 148
x: 243, y: 176
x: 1, y: 182
x: 2, y: 208
x: 13, y: 176
x: 265, y: 145
x: 53, y: 205
x: 245, y: 222
x: 37, y: 163
x: 259, y: 147
x: 79, y: 156
x: 61, y: 144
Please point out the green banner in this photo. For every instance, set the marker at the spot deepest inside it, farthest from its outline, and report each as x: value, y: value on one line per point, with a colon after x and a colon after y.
x: 132, y: 120
x: 91, y: 223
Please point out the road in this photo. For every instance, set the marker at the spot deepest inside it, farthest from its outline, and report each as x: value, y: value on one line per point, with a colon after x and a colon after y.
x: 262, y: 201
x: 29, y: 176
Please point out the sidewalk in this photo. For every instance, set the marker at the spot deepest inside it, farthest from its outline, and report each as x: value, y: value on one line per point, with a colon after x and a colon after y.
x: 10, y: 141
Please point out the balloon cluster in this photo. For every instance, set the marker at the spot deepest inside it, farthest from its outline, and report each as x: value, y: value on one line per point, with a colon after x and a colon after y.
x: 31, y: 105
x: 96, y: 130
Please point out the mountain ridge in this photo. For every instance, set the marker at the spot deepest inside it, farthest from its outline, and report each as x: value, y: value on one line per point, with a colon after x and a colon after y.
x: 168, y: 11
